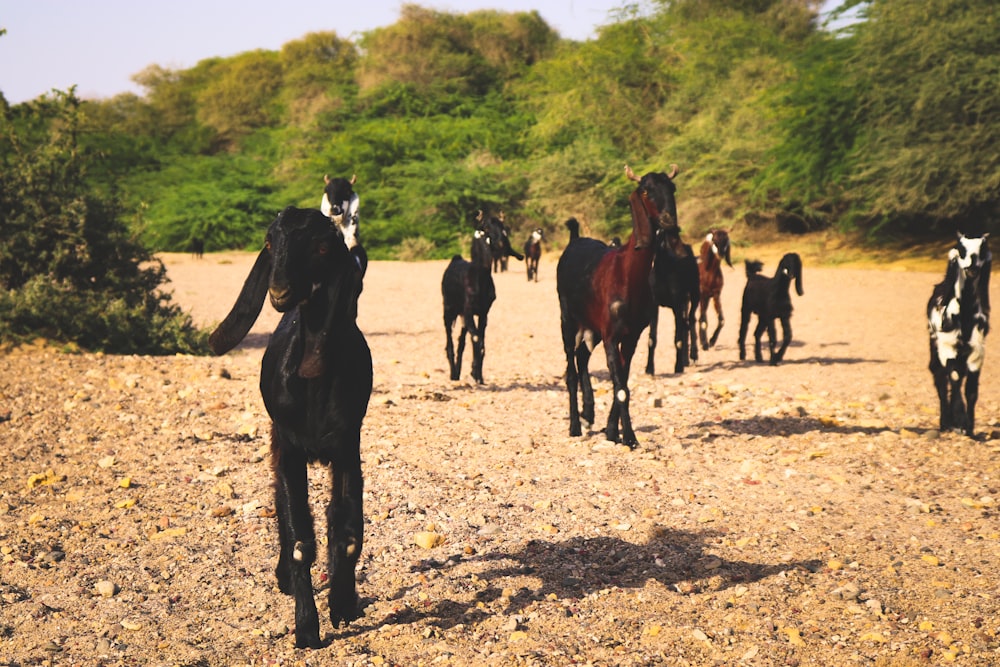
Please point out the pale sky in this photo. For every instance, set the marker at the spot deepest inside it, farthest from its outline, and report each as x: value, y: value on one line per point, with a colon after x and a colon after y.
x: 98, y: 45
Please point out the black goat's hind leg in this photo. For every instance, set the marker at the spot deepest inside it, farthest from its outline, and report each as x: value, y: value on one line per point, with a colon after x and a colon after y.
x: 345, y: 537
x: 299, y: 539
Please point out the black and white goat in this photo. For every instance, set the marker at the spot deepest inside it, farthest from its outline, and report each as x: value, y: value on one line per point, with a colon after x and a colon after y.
x: 958, y: 318
x: 468, y: 291
x: 499, y: 236
x: 340, y: 203
x: 316, y: 379
x: 533, y: 253
x: 769, y: 298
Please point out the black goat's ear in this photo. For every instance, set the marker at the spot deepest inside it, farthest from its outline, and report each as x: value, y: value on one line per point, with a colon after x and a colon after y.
x: 234, y: 328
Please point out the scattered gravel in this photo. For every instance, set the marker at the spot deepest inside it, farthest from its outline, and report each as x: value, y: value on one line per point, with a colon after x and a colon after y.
x: 808, y: 514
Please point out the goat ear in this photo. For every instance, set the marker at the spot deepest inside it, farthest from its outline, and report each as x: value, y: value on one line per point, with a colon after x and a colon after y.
x: 234, y: 328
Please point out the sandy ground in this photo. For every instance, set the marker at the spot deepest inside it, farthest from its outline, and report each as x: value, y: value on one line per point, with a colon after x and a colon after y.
x: 806, y: 514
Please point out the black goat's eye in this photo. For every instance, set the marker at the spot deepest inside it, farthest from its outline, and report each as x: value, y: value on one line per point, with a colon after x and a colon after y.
x: 267, y: 243
x: 323, y: 248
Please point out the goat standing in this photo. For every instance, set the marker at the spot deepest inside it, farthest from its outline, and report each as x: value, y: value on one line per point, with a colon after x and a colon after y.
x: 769, y: 298
x: 468, y: 291
x: 714, y: 250
x: 340, y: 203
x: 958, y: 318
x: 605, y: 295
x: 533, y: 253
x: 315, y: 379
x: 675, y: 286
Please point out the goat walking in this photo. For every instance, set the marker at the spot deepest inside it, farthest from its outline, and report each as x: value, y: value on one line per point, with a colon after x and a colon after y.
x: 714, y: 250
x: 675, y: 286
x: 316, y: 379
x: 605, y: 295
x: 468, y: 291
x: 340, y: 203
x: 958, y: 318
x: 533, y: 253
x: 769, y: 298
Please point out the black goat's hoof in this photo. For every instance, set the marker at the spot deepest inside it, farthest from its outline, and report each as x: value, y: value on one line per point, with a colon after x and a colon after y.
x: 308, y: 640
x: 575, y: 431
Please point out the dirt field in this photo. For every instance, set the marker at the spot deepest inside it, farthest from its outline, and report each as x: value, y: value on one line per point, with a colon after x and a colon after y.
x: 808, y: 514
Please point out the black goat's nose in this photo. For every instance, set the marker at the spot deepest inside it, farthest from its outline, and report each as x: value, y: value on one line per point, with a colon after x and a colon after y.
x: 280, y: 297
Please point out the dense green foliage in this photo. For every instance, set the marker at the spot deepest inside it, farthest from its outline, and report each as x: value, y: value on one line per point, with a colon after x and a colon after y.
x: 70, y: 269
x: 888, y: 126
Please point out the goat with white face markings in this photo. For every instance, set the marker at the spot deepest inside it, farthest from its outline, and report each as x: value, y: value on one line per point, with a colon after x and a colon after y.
x: 341, y: 203
x: 315, y: 379
x: 958, y: 319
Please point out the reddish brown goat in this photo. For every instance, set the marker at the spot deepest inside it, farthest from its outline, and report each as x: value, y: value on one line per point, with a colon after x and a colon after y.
x: 714, y: 249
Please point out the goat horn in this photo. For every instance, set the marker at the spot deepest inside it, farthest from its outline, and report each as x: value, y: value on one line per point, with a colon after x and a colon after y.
x: 673, y: 171
x: 630, y: 175
x: 326, y: 178
x: 354, y: 179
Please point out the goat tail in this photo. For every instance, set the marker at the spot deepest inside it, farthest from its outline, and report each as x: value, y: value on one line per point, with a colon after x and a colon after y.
x: 754, y: 267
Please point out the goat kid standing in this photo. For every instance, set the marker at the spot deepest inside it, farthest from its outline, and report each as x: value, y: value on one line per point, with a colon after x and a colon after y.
x: 958, y: 319
x: 605, y: 295
x: 468, y: 291
x: 533, y: 253
x: 675, y: 284
x: 340, y: 203
x: 714, y: 250
x: 769, y: 298
x: 315, y: 379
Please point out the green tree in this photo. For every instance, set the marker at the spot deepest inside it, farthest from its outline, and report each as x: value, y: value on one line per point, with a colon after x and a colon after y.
x: 69, y: 268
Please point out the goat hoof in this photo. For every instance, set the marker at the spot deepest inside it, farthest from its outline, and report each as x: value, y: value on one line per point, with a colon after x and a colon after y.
x: 308, y: 640
x: 345, y: 613
x: 575, y: 431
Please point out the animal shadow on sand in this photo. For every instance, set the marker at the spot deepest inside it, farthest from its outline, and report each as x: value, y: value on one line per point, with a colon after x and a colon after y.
x: 576, y: 567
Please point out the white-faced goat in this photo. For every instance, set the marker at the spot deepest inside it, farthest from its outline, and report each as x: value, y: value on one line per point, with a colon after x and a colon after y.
x: 468, y: 291
x: 316, y: 379
x: 533, y: 253
x: 605, y: 295
x: 340, y: 203
x: 769, y: 298
x: 958, y: 318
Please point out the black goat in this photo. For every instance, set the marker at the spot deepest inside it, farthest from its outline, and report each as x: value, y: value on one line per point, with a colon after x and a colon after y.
x: 605, y: 295
x: 769, y: 298
x: 196, y: 246
x: 468, y: 291
x: 340, y: 202
x: 676, y: 286
x: 499, y: 235
x: 316, y: 379
x: 958, y: 318
x: 533, y: 253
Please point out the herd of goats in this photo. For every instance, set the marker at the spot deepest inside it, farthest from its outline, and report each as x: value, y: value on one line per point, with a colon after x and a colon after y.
x: 316, y: 372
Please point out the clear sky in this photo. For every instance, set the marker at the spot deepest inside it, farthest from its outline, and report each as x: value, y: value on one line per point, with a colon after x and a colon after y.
x: 98, y: 45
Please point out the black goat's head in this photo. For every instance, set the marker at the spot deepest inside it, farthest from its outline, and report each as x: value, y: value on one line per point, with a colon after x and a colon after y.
x: 791, y: 267
x: 302, y: 254
x: 497, y: 236
x: 653, y: 203
x: 972, y: 254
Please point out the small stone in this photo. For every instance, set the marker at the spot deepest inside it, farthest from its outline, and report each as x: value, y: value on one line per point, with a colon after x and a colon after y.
x: 699, y: 635
x: 428, y: 539
x: 105, y: 588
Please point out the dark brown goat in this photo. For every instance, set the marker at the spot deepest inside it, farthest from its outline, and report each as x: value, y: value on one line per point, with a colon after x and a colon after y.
x: 715, y: 249
x: 605, y: 295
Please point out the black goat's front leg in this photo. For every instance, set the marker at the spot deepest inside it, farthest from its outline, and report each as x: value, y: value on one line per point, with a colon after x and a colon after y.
x: 703, y: 324
x: 619, y: 361
x: 297, y: 537
x: 718, y: 326
x: 971, y: 396
x: 742, y: 342
x: 940, y: 374
x: 681, y: 328
x: 758, y: 334
x: 345, y: 537
x: 454, y: 367
x: 478, y: 348
x: 786, y: 339
x: 654, y: 319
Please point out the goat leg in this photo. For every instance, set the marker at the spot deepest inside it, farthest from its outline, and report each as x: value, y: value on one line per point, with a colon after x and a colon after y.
x: 479, y: 348
x: 718, y: 327
x: 654, y: 319
x: 971, y: 396
x: 345, y: 537
x: 449, y: 348
x: 298, y: 548
x: 786, y: 339
x: 681, y: 325
x: 586, y: 388
x: 619, y: 359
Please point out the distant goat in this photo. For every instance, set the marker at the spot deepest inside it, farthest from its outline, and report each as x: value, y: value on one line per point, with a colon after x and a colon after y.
x: 958, y: 318
x: 499, y: 235
x: 196, y: 246
x: 769, y: 298
x: 605, y: 295
x: 533, y: 253
x: 316, y: 379
x: 340, y: 203
x: 468, y: 291
x: 714, y: 250
x: 675, y: 286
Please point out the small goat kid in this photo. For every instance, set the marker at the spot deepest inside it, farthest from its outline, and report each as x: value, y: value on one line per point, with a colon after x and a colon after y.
x: 714, y: 250
x: 675, y: 286
x: 958, y: 318
x: 340, y: 203
x: 770, y: 300
x: 468, y: 291
x: 316, y: 379
x: 533, y: 253
x: 605, y: 295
